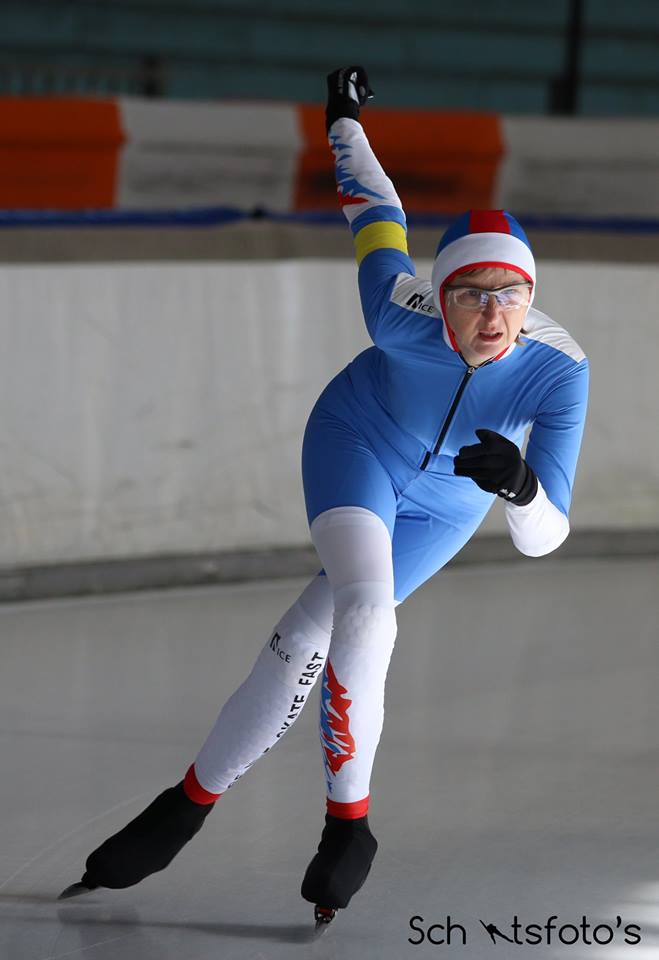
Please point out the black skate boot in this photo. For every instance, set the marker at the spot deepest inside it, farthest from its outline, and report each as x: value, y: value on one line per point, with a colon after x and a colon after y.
x: 339, y: 869
x: 145, y: 845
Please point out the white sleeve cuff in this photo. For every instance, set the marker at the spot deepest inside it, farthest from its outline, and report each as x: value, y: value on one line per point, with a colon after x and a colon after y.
x: 537, y: 528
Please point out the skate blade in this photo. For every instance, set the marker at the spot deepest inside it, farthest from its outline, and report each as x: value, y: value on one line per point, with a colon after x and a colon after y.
x: 75, y: 890
x: 323, y: 917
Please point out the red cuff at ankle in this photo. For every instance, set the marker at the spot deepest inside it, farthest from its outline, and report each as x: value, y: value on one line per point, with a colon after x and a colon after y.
x: 348, y: 811
x: 194, y: 790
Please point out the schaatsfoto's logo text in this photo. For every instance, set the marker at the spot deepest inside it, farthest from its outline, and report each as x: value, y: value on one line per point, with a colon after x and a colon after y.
x: 551, y: 931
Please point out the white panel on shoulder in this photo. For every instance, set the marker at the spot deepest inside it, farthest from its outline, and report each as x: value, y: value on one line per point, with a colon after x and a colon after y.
x: 538, y: 326
x: 413, y: 294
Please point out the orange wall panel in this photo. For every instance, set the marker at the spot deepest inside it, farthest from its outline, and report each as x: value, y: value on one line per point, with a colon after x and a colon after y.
x: 439, y: 161
x: 58, y: 153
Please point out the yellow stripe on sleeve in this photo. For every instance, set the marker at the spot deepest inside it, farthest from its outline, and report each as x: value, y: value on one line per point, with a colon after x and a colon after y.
x: 383, y: 234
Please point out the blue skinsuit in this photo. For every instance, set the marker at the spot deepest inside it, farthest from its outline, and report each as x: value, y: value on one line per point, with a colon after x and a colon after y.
x: 384, y: 432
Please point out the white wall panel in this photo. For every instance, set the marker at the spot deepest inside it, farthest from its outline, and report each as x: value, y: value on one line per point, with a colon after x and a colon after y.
x: 180, y: 155
x: 159, y: 408
x: 576, y: 166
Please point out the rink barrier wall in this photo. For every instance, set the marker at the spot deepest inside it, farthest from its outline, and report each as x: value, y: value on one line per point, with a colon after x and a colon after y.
x: 133, y: 154
x: 157, y: 410
x: 267, y: 239
x: 129, y: 574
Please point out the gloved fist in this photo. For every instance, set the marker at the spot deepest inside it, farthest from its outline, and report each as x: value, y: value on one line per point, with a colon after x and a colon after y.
x: 347, y: 91
x: 497, y: 466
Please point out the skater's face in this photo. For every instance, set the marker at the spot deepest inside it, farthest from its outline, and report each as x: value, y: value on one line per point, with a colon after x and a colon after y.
x: 485, y: 329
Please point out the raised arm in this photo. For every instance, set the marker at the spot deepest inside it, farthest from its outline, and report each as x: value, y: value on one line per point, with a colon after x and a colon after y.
x: 369, y: 201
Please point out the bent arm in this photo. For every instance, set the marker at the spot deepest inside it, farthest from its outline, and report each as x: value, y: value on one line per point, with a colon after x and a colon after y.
x: 552, y: 452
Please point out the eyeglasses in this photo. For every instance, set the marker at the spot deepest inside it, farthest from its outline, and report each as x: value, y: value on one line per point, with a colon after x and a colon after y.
x: 508, y: 298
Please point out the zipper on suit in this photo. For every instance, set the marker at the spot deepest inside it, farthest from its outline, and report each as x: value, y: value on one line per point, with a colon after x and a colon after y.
x: 451, y: 413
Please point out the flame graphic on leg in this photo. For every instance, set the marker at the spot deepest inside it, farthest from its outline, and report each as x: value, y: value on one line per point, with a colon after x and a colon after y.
x: 337, y: 741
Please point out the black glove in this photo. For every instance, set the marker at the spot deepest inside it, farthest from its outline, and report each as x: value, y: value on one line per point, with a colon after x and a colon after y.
x: 347, y: 91
x: 497, y: 466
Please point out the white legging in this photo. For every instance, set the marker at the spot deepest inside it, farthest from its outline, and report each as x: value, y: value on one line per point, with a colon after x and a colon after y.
x: 354, y: 606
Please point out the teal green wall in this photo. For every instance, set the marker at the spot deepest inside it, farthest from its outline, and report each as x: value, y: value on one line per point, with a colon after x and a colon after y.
x: 482, y: 55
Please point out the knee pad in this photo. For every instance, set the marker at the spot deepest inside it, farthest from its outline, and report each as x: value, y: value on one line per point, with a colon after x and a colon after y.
x: 365, y: 616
